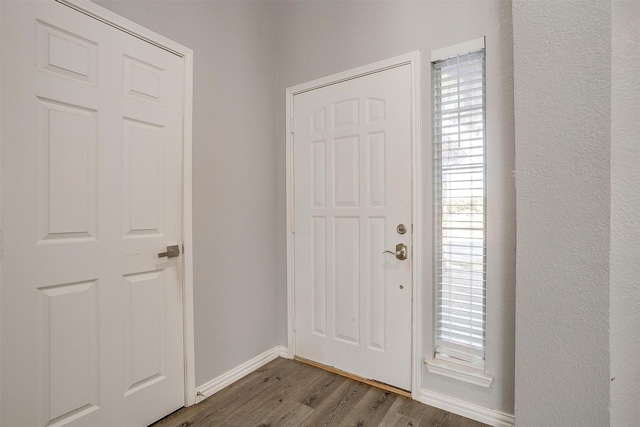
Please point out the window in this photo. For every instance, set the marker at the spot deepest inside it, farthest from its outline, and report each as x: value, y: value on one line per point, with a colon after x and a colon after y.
x: 460, y: 206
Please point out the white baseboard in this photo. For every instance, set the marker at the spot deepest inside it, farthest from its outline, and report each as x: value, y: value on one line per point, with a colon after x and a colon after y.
x: 447, y: 403
x: 211, y: 387
x: 470, y: 410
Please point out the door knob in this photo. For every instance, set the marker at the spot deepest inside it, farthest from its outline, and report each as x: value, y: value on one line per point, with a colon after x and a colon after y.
x: 172, y: 252
x: 400, y: 253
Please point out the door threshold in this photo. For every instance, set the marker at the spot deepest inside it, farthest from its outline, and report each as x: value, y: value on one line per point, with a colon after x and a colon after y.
x: 355, y: 377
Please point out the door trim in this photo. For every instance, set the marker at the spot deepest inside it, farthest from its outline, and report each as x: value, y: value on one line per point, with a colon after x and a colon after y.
x: 413, y: 60
x: 123, y: 24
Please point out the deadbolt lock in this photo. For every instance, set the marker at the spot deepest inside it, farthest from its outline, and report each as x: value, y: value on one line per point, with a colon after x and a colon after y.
x: 401, y: 229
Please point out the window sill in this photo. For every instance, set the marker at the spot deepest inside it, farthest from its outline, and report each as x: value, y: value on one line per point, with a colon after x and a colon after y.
x: 459, y: 372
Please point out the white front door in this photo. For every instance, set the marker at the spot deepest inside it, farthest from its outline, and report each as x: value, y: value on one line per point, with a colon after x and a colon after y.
x: 352, y: 195
x: 92, y: 319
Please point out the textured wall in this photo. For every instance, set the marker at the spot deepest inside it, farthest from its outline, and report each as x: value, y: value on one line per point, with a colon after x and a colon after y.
x: 316, y: 39
x: 625, y: 204
x: 233, y: 171
x: 562, y: 115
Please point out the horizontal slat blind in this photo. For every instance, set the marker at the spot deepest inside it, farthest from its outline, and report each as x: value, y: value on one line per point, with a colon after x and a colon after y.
x: 460, y: 220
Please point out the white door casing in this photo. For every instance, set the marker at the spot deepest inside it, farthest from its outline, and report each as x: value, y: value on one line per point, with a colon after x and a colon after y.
x: 352, y: 180
x: 93, y: 132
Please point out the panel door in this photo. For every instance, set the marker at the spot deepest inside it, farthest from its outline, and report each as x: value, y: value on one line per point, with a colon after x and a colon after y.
x: 91, y: 173
x: 352, y: 180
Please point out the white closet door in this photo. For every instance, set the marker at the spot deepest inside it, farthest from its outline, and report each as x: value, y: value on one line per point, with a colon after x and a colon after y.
x: 91, y: 170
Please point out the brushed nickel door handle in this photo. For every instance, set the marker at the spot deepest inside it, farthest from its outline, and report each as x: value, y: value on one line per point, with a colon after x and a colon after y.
x: 400, y: 253
x: 172, y: 252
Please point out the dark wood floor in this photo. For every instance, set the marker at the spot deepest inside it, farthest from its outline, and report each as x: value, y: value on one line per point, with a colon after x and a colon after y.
x: 290, y: 393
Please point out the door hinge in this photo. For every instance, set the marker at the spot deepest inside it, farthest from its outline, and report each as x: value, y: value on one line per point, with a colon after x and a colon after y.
x: 293, y: 324
x: 293, y: 226
x: 292, y: 127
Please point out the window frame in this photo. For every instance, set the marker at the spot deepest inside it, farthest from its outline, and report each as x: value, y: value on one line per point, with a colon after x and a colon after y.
x: 444, y: 350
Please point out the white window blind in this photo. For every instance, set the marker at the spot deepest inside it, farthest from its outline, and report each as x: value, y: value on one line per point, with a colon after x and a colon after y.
x: 460, y: 207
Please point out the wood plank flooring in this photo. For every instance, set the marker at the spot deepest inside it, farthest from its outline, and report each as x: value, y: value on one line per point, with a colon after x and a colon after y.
x: 293, y: 394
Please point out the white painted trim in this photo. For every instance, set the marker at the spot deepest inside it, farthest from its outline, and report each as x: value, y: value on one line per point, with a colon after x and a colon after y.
x: 187, y: 235
x: 417, y: 178
x: 291, y: 336
x: 106, y: 16
x: 1, y: 145
x: 211, y: 387
x: 466, y: 409
x: 413, y: 60
x: 354, y: 73
x: 110, y: 18
x: 459, y: 372
x: 451, y: 51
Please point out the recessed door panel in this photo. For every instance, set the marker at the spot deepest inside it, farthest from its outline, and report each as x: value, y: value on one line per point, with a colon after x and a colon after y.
x: 143, y: 80
x: 376, y: 152
x: 377, y: 289
x: 375, y: 110
x: 319, y: 173
x: 67, y: 170
x: 319, y: 255
x: 66, y: 54
x: 346, y: 113
x: 318, y: 122
x: 346, y: 280
x: 143, y: 181
x: 346, y: 165
x: 144, y: 322
x: 70, y: 327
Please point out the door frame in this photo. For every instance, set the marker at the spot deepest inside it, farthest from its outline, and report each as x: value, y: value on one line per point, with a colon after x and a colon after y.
x: 413, y: 60
x: 101, y: 14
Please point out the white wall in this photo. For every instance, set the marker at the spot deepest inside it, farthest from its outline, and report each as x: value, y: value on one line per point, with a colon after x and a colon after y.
x: 624, y: 291
x: 236, y: 55
x: 562, y: 116
x: 315, y: 39
x: 234, y: 172
x: 241, y: 71
x: 574, y: 114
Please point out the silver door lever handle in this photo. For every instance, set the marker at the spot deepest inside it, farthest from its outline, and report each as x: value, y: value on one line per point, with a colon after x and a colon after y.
x: 400, y: 253
x: 172, y: 252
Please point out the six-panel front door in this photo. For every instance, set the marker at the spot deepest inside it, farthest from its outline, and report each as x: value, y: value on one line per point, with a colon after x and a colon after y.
x: 91, y: 171
x: 352, y: 191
